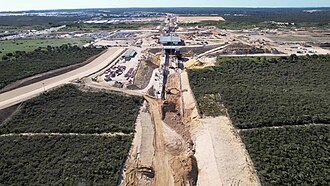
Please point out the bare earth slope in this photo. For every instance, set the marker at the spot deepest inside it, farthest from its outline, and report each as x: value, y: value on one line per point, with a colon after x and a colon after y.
x: 21, y: 94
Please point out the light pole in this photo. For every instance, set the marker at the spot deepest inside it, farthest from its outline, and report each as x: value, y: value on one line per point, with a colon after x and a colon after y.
x: 43, y: 84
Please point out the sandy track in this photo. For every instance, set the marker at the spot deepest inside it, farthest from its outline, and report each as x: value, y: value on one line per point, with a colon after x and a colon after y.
x: 65, y: 134
x: 284, y: 126
x: 24, y: 93
x: 147, y: 139
x: 89, y: 85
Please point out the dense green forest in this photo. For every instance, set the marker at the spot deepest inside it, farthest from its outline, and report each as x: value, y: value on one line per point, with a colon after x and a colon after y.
x: 290, y: 155
x: 21, y: 64
x: 266, y: 91
x: 69, y: 110
x: 62, y: 160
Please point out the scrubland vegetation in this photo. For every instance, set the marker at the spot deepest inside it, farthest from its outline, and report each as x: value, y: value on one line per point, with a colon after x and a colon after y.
x: 290, y: 155
x: 260, y: 93
x: 62, y: 160
x: 69, y: 110
x: 267, y: 91
x: 85, y: 158
x: 267, y: 18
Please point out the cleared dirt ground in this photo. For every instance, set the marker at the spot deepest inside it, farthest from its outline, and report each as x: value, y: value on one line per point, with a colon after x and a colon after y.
x: 196, y: 19
x: 232, y: 160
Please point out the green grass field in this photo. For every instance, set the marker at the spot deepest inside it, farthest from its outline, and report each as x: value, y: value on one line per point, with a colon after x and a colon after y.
x: 31, y: 44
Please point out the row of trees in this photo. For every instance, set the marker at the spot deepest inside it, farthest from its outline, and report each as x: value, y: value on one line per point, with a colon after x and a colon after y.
x: 69, y: 110
x: 267, y: 91
x: 21, y: 64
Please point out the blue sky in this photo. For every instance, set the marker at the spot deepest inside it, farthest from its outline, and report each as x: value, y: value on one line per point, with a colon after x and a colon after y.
x: 12, y: 5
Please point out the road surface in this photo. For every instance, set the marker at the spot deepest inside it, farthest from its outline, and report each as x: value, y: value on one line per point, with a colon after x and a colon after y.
x: 24, y: 93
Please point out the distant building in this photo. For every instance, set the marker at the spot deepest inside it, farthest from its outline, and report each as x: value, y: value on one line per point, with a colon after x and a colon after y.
x: 170, y: 40
x: 129, y: 54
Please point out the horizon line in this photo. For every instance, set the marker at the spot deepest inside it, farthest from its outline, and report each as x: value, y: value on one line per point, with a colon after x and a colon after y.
x: 253, y: 7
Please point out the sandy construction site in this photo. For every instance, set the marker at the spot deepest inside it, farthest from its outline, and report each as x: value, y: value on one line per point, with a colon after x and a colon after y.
x: 185, y: 150
x: 196, y: 19
x: 172, y: 144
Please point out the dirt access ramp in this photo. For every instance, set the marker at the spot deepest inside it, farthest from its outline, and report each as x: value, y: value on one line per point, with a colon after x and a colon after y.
x: 221, y: 156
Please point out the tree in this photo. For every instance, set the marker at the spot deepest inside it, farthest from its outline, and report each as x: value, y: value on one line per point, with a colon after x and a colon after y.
x: 9, y: 54
x: 5, y: 58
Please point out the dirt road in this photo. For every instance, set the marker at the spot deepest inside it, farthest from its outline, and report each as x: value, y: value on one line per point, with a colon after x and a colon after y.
x: 161, y: 160
x: 24, y: 93
x: 65, y: 134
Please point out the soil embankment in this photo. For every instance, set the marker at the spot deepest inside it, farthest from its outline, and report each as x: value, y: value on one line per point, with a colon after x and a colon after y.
x: 24, y: 93
x: 7, y: 112
x: 144, y: 74
x: 138, y: 168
